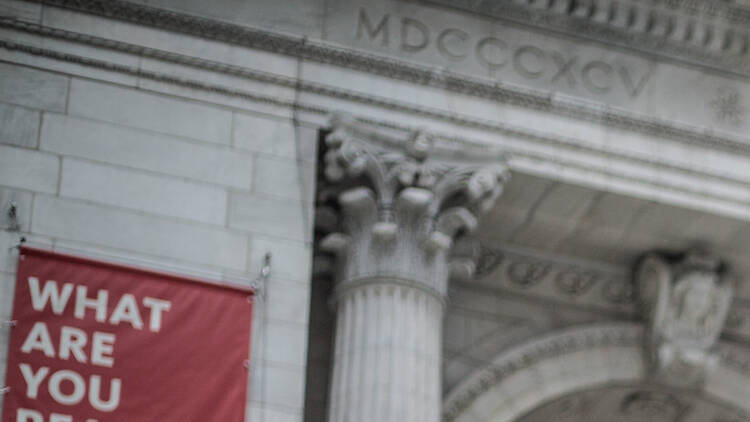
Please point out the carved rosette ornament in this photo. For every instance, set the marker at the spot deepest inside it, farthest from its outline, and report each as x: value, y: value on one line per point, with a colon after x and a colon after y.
x: 686, y: 300
x: 407, y: 205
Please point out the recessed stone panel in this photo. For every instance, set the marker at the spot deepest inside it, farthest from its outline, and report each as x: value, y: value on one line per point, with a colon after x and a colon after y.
x: 18, y: 126
x: 32, y: 88
x: 130, y: 230
x: 155, y: 112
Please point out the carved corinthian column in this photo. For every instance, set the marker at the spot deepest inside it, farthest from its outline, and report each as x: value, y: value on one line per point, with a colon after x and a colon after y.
x: 403, y: 204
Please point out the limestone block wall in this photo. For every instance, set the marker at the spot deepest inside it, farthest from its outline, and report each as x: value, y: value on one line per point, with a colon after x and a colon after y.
x: 120, y: 168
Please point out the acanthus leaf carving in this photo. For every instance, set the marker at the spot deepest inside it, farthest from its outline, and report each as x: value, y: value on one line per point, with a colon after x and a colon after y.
x: 412, y: 195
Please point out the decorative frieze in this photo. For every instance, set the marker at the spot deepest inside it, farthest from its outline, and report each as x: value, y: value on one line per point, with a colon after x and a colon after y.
x: 563, y: 280
x: 685, y: 300
x: 576, y: 283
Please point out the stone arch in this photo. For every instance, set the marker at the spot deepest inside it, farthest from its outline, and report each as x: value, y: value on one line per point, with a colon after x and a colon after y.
x: 527, y: 376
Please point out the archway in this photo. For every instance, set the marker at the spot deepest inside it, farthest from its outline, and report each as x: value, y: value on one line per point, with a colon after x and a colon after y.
x: 574, y: 360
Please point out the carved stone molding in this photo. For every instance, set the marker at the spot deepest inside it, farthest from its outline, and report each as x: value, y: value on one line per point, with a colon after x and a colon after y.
x: 403, y: 202
x: 686, y: 300
x: 526, y: 356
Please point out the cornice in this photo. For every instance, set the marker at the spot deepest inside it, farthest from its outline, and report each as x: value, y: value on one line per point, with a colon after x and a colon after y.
x: 505, y: 129
x: 320, y: 52
x: 702, y: 32
x: 668, y: 28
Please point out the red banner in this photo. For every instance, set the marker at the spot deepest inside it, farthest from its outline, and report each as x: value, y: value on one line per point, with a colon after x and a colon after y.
x: 100, y: 342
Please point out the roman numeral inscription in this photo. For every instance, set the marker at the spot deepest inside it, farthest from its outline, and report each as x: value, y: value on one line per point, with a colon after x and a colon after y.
x: 506, y: 54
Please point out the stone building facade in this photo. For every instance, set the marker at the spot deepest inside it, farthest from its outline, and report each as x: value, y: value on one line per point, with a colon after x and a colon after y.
x: 477, y: 211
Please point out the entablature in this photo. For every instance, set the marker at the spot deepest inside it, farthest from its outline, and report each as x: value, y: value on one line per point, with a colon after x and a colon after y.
x: 545, y: 132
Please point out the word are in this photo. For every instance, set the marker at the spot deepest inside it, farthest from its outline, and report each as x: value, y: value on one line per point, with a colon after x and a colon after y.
x: 72, y: 343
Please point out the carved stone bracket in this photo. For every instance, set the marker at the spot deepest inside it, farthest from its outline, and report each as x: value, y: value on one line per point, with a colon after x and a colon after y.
x: 686, y: 300
x: 407, y: 204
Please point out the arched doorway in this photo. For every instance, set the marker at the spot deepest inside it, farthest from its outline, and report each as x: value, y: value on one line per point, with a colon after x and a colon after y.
x: 585, y: 371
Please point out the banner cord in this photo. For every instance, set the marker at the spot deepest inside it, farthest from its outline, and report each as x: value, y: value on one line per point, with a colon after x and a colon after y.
x: 5, y: 390
x: 20, y: 243
x: 259, y: 283
x: 15, y: 226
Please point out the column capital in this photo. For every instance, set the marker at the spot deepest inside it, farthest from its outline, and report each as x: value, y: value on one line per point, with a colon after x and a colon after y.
x: 404, y: 200
x: 685, y: 299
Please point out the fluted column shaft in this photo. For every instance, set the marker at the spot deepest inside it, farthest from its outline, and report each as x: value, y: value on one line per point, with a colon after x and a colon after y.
x: 387, y: 354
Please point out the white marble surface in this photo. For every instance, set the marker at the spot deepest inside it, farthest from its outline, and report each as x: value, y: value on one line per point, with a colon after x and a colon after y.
x: 233, y: 139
